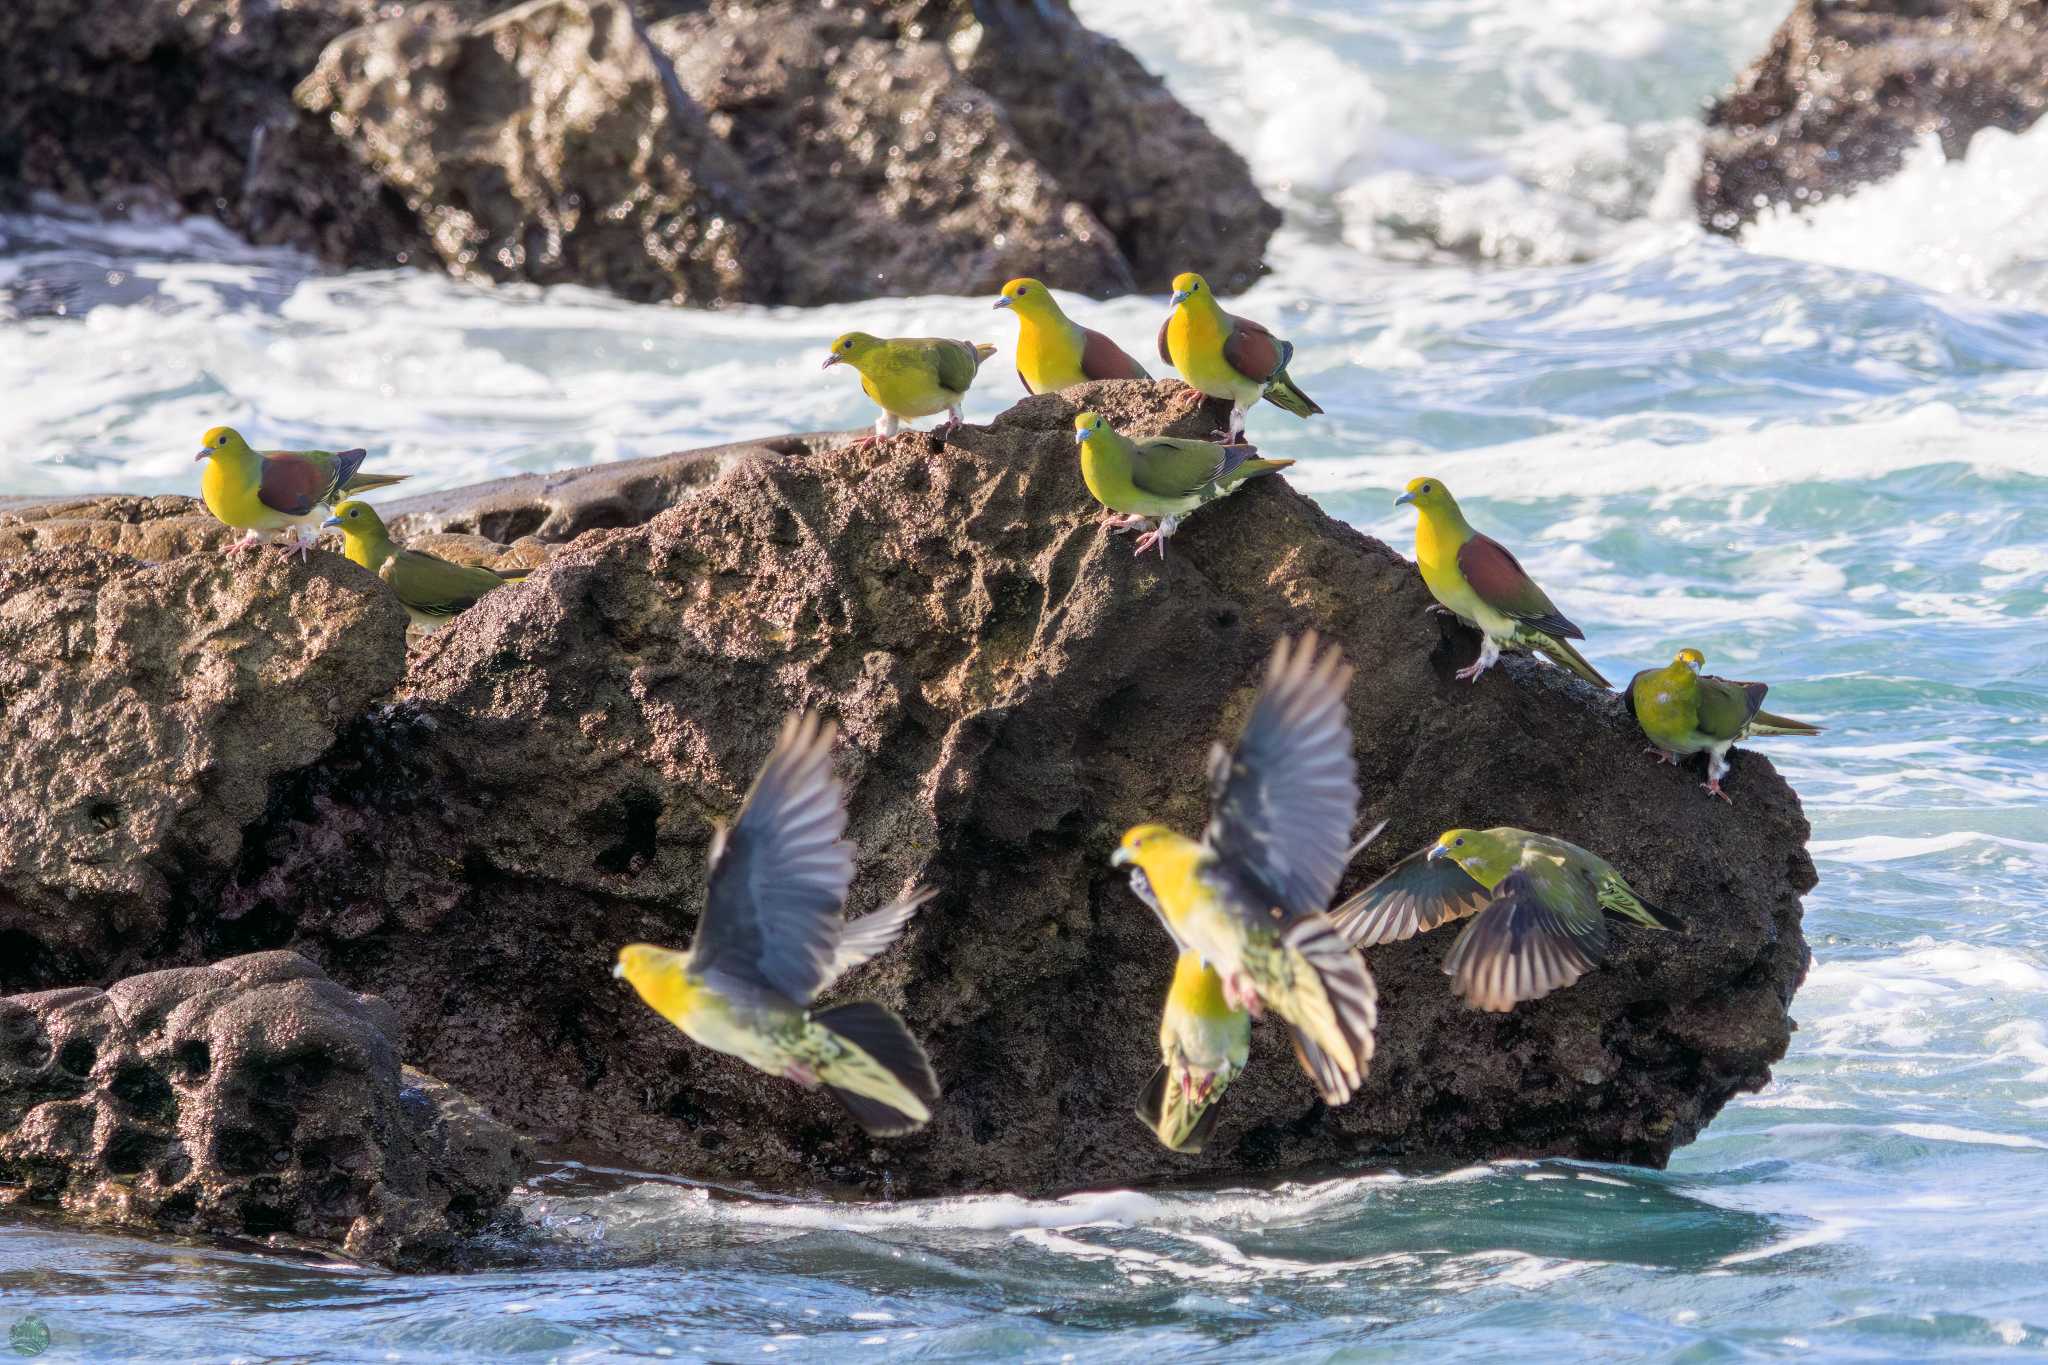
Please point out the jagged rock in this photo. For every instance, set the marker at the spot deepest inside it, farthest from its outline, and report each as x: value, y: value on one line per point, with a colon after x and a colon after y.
x: 783, y: 152
x: 253, y: 1098
x: 1015, y: 689
x: 147, y: 528
x: 144, y: 711
x: 1847, y: 87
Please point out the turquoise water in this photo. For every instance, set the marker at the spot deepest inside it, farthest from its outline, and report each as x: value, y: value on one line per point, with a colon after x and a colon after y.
x: 1829, y: 478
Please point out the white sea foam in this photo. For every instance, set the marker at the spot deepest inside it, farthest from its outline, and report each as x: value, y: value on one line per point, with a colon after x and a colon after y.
x: 1971, y: 226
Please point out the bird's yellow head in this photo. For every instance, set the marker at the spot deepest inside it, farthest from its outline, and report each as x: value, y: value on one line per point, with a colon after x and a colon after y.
x: 1427, y: 494
x: 852, y: 347
x: 220, y: 441
x: 1029, y: 298
x: 1086, y: 425
x: 1162, y: 855
x: 1188, y: 285
x: 1691, y: 658
x: 656, y: 975
x: 357, y: 518
x: 1478, y: 852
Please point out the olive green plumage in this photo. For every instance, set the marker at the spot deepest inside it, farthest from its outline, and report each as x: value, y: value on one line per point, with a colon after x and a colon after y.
x: 1685, y: 712
x: 1203, y: 1046
x: 909, y: 377
x: 1151, y: 485
x: 433, y: 590
x: 1538, y: 906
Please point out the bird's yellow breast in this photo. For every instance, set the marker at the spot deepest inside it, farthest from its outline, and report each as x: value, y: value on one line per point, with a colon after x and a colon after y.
x: 1048, y: 355
x: 904, y: 385
x: 1436, y: 555
x: 229, y: 491
x: 1194, y: 340
x: 1667, y: 707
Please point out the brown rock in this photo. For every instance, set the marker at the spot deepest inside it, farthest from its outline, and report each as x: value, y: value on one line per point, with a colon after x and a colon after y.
x: 144, y: 711
x: 148, y: 528
x: 1845, y: 90
x: 1015, y: 689
x: 546, y: 143
x: 253, y: 1098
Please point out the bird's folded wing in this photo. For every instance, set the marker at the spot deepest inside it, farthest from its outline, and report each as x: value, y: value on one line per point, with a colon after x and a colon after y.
x: 1415, y: 896
x: 1173, y: 467
x: 1628, y: 694
x: 294, y: 483
x: 1285, y: 800
x: 434, y: 585
x: 1726, y: 707
x: 1165, y: 355
x: 1501, y: 582
x: 1102, y: 358
x: 955, y: 362
x: 1252, y: 351
x: 779, y: 875
x: 1543, y: 931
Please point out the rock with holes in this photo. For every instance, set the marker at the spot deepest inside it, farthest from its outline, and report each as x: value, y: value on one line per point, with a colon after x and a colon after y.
x: 146, y: 528
x: 1014, y: 689
x: 254, y: 1098
x: 1846, y: 89
x: 144, y: 711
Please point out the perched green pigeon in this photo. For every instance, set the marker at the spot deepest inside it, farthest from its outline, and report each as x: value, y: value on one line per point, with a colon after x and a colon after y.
x: 434, y: 590
x: 1225, y: 356
x: 910, y: 376
x: 1684, y: 713
x: 1152, y: 484
x: 277, y: 490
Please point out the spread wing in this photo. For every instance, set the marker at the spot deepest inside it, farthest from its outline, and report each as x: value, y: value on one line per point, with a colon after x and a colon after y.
x: 1253, y: 351
x: 1502, y: 583
x: 1543, y: 931
x: 1165, y: 356
x: 1286, y: 798
x: 295, y: 482
x: 434, y: 585
x: 1726, y: 708
x: 779, y: 875
x: 1102, y: 358
x: 1417, y: 894
x: 1174, y: 467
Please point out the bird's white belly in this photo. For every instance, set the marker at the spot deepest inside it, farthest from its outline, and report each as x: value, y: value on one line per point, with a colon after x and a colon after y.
x: 716, y: 1026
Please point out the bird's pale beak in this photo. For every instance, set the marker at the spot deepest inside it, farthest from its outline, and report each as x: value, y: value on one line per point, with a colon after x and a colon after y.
x: 1404, y: 498
x: 618, y: 971
x: 201, y: 455
x: 331, y: 521
x: 1436, y: 851
x: 1081, y: 435
x: 1122, y: 857
x: 1003, y: 302
x: 830, y: 361
x: 1180, y: 296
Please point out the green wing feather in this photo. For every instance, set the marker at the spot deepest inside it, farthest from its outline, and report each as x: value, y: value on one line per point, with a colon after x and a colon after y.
x: 1417, y: 895
x: 1726, y: 708
x: 1543, y: 931
x: 955, y: 362
x: 435, y: 586
x: 1174, y: 468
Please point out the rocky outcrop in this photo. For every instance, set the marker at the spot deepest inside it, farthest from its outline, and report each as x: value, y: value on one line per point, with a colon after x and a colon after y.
x: 253, y: 1098
x: 1847, y: 87
x: 144, y: 712
x: 784, y: 152
x: 151, y: 528
x: 1015, y: 689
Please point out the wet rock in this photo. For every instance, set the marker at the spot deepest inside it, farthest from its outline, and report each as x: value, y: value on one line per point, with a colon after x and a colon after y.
x: 144, y: 711
x: 1845, y: 89
x: 252, y: 1098
x: 1015, y: 689
x: 784, y: 152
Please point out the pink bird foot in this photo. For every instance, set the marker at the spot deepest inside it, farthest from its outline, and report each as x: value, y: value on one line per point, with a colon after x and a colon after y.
x: 1662, y: 756
x: 1147, y: 541
x: 247, y: 542
x: 801, y: 1074
x: 1470, y: 673
x: 1117, y: 521
x: 1712, y: 787
x: 865, y: 442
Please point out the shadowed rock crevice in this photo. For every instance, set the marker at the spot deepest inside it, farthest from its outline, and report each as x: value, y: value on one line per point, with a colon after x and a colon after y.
x: 305, y: 1126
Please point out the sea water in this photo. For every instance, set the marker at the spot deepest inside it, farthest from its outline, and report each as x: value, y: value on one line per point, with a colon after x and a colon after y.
x: 1819, y: 453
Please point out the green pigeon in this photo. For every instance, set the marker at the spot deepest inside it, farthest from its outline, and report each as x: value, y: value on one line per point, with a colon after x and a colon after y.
x: 434, y: 590
x: 1684, y: 713
x: 1538, y: 903
x: 1203, y: 1047
x: 1153, y: 484
x: 909, y: 377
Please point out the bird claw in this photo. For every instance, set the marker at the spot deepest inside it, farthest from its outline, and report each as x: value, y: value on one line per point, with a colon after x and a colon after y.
x: 1712, y: 787
x: 865, y: 442
x: 1439, y: 609
x: 1147, y: 541
x: 1662, y: 756
x: 1470, y: 673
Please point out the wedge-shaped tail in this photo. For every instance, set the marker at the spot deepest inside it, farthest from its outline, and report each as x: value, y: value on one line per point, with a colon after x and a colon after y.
x: 1182, y: 1121
x: 1285, y: 393
x: 877, y: 1070
x: 1331, y: 1007
x: 1764, y: 723
x: 1562, y: 653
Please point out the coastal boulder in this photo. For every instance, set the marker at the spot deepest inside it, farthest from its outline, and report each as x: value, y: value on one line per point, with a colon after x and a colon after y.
x: 1014, y: 689
x: 252, y: 1098
x: 144, y: 711
x: 1845, y: 90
